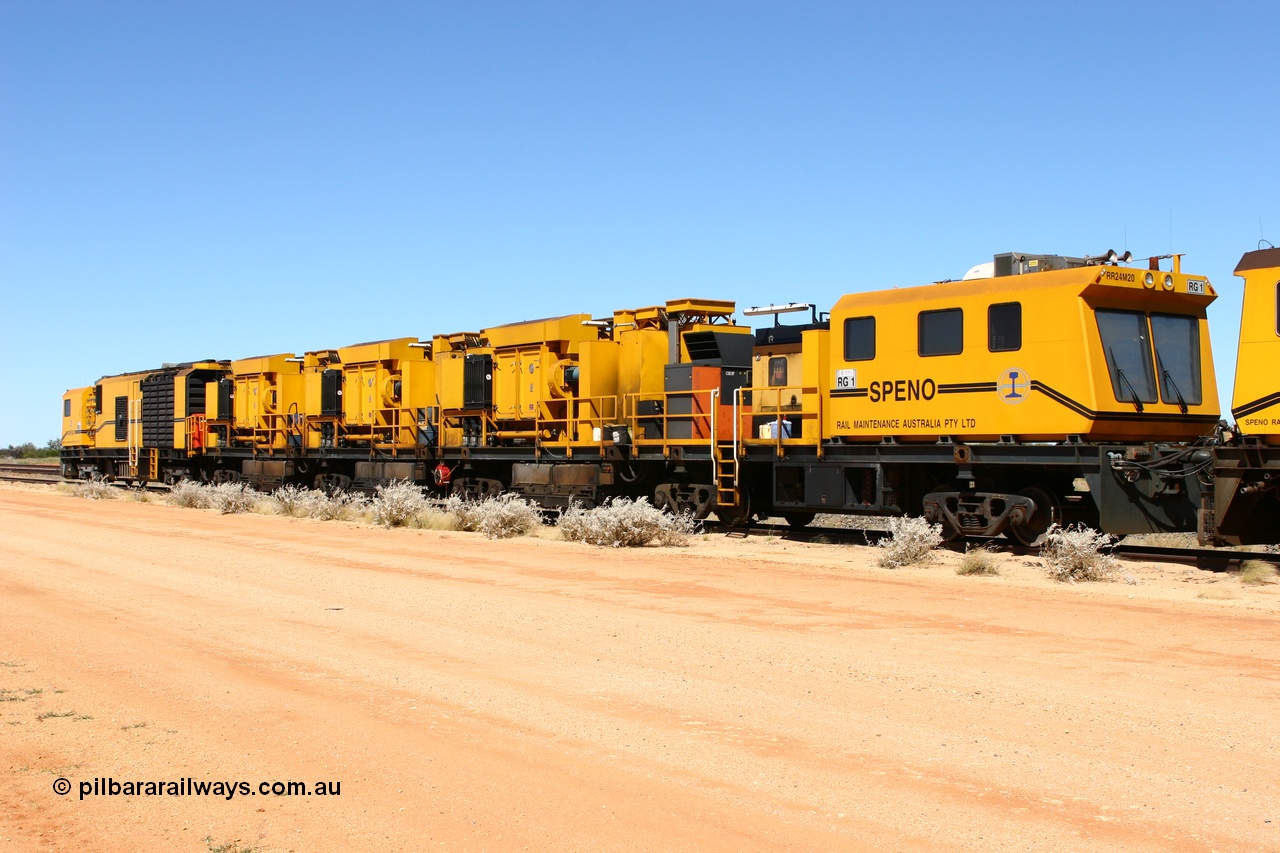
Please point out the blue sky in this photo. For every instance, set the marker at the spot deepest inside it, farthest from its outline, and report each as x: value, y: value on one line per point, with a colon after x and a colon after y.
x: 183, y: 180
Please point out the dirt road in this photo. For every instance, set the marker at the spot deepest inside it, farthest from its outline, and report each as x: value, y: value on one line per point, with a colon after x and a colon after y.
x: 535, y: 694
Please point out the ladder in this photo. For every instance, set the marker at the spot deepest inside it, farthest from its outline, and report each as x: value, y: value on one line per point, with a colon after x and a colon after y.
x: 726, y: 462
x: 724, y: 456
x: 132, y: 439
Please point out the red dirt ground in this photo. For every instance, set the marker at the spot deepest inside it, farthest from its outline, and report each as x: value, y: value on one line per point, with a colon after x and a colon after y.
x: 543, y: 695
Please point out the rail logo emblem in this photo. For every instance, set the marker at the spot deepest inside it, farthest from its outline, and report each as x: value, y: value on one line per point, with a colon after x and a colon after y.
x: 1014, y: 385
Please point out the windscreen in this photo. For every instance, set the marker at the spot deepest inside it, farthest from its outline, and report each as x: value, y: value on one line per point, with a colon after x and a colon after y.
x: 1177, y: 340
x: 1128, y: 349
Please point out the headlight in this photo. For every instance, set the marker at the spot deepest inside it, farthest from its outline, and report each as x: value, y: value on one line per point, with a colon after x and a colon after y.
x: 1149, y: 280
x: 1168, y: 282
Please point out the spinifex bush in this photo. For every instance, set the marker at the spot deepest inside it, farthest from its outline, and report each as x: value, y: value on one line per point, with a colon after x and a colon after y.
x: 189, y: 493
x: 397, y: 503
x: 1075, y: 554
x: 335, y: 506
x: 497, y: 518
x: 625, y: 523
x: 228, y: 498
x: 910, y: 541
x: 95, y: 489
x: 292, y: 500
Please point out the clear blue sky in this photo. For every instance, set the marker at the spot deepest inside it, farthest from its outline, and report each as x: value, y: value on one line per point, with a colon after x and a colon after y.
x: 185, y: 180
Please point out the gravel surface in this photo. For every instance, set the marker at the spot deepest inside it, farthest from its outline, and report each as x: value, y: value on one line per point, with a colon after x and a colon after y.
x: 535, y: 694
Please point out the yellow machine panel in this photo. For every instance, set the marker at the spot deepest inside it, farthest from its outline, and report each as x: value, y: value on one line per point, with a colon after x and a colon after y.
x: 1255, y: 402
x: 267, y: 400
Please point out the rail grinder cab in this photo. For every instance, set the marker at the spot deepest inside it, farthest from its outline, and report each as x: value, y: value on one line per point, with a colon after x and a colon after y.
x: 1086, y: 350
x: 998, y: 403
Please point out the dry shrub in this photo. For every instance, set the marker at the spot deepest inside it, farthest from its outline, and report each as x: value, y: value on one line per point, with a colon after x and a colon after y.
x: 301, y: 502
x: 1075, y: 554
x: 141, y: 496
x: 189, y: 493
x: 1257, y: 573
x: 910, y: 541
x: 978, y: 561
x: 338, y: 506
x: 229, y: 498
x: 292, y: 500
x: 95, y: 489
x: 625, y: 523
x: 397, y: 503
x: 497, y: 518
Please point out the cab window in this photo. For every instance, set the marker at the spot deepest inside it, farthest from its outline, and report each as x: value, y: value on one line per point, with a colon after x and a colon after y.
x: 777, y: 371
x: 860, y: 339
x: 1127, y: 346
x: 941, y: 332
x: 1177, y: 343
x: 66, y: 408
x: 1004, y: 327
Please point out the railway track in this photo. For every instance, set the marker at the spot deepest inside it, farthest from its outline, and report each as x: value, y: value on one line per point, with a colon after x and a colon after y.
x: 1211, y: 559
x: 31, y: 473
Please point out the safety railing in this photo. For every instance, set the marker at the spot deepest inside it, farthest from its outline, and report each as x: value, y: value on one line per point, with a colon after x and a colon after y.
x: 807, y: 410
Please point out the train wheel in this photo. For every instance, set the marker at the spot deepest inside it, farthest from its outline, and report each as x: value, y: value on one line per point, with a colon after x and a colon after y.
x: 799, y: 519
x: 1048, y: 513
x: 949, y: 532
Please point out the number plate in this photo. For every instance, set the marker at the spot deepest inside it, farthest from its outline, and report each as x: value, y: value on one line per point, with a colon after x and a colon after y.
x: 846, y: 380
x: 1195, y: 287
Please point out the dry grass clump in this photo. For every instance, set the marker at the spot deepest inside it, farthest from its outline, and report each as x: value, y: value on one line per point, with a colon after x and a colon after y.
x: 1074, y: 554
x: 625, y: 523
x: 141, y: 496
x: 978, y: 561
x: 502, y: 517
x: 1165, y: 540
x: 433, y: 518
x: 910, y: 541
x: 397, y: 503
x: 229, y: 498
x: 95, y: 489
x: 190, y: 494
x: 1257, y: 573
x: 1218, y: 593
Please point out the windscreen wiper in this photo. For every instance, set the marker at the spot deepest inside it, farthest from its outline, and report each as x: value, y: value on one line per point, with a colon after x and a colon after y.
x: 1165, y: 374
x: 1137, y: 403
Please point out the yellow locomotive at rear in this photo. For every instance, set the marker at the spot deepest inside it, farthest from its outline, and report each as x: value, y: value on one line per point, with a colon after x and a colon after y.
x: 1094, y: 353
x: 1255, y: 402
x: 1245, y: 506
x: 138, y: 427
